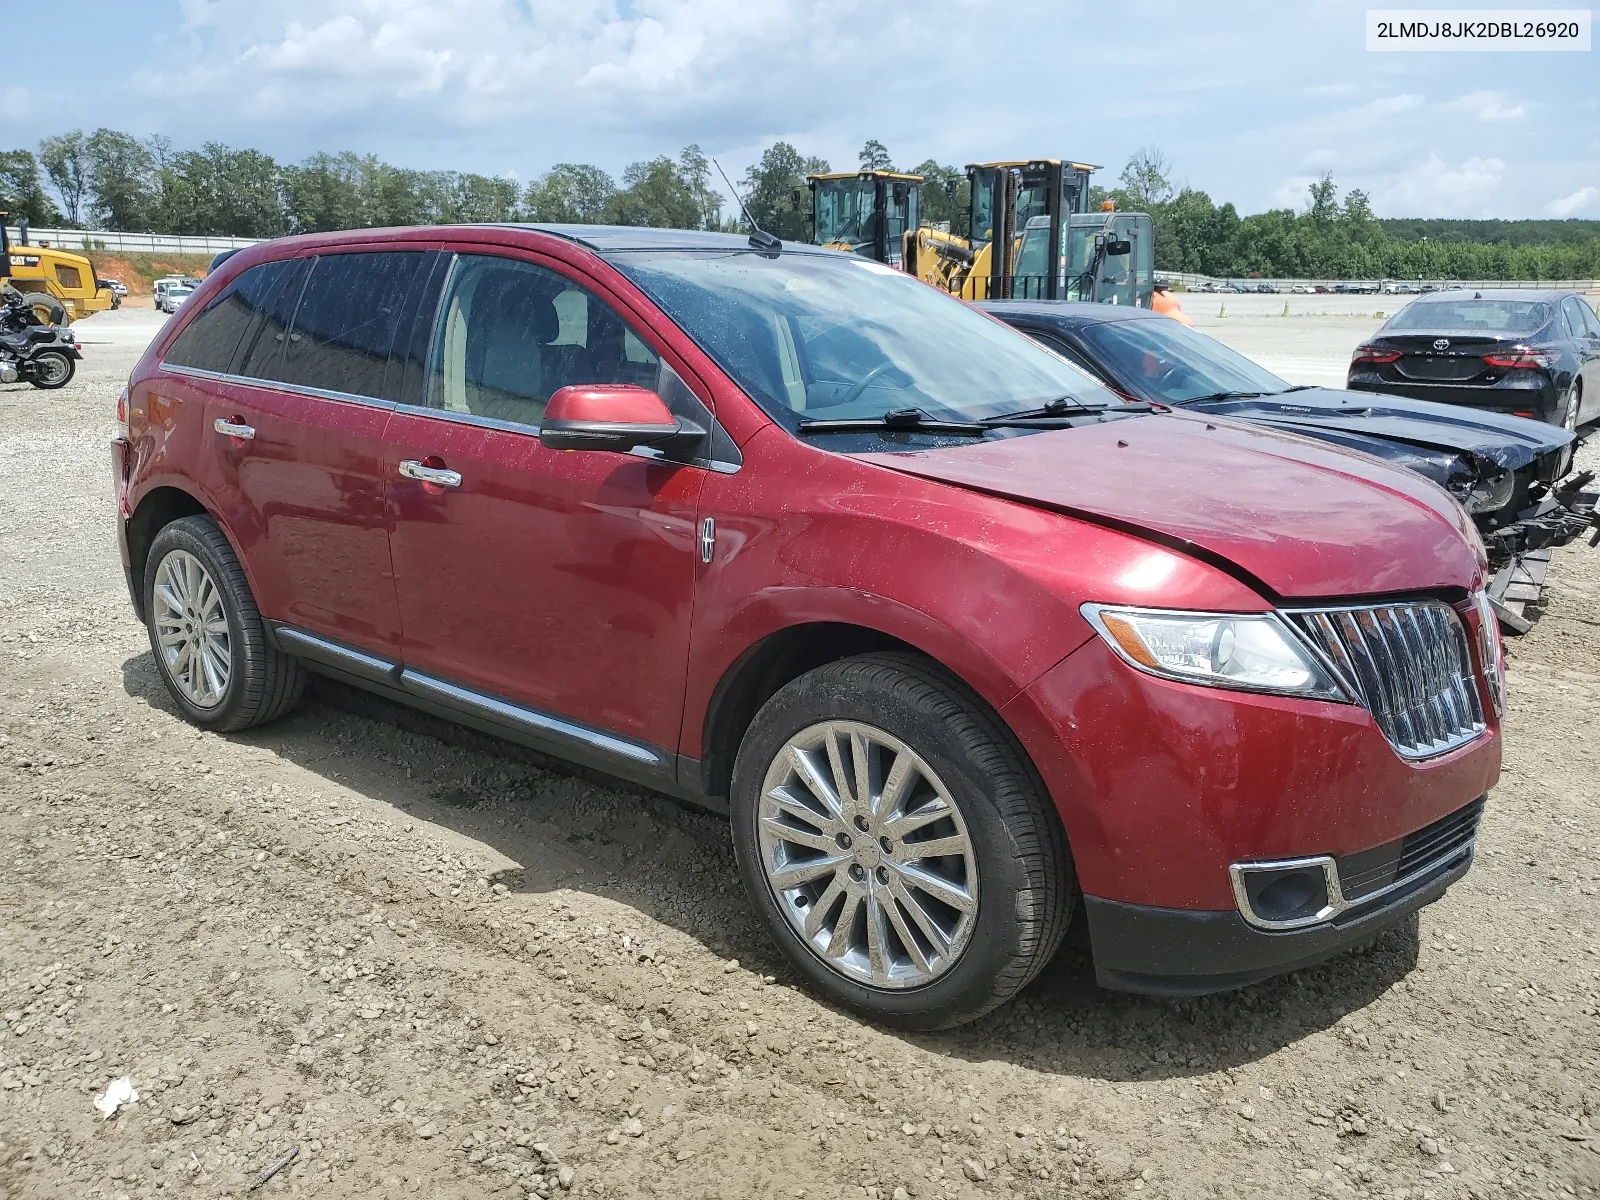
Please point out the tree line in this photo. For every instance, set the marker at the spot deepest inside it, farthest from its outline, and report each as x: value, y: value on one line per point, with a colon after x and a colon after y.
x: 1339, y: 238
x: 112, y: 180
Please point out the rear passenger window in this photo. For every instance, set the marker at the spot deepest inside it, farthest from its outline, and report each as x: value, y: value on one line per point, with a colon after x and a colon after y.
x: 211, y: 338
x: 263, y: 344
x: 512, y: 333
x: 346, y: 321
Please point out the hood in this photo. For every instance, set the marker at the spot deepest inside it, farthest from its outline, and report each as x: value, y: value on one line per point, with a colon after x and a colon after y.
x: 1300, y: 518
x: 1364, y: 420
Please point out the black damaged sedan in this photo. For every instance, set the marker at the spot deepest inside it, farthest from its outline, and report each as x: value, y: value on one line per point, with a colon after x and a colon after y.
x: 1507, y: 471
x: 1531, y: 353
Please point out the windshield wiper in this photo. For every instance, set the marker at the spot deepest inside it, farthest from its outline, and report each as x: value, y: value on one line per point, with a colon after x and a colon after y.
x: 1226, y: 396
x: 898, y: 419
x: 1064, y: 409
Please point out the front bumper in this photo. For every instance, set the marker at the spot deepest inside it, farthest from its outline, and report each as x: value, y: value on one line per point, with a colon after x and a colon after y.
x: 1184, y: 952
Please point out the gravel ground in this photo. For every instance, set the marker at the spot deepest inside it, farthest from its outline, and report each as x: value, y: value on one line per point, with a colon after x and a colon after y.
x: 438, y: 966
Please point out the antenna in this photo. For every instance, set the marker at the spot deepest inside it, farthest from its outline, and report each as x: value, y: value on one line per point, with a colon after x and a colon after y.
x: 761, y: 240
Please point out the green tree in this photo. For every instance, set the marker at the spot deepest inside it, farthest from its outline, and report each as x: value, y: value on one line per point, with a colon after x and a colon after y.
x: 1322, y: 200
x: 481, y: 198
x: 1146, y: 179
x: 874, y: 156
x: 668, y: 194
x: 775, y: 184
x: 569, y: 194
x: 944, y: 192
x: 121, y: 180
x: 66, y: 161
x: 22, y: 194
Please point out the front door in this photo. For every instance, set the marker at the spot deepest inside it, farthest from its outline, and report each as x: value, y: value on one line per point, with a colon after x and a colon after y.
x: 559, y: 581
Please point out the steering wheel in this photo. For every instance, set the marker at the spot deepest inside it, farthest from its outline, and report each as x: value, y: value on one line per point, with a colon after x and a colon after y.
x: 861, y: 384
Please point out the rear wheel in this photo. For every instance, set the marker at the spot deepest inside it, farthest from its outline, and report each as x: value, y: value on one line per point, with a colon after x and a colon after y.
x: 899, y: 849
x: 209, y: 640
x: 52, y: 369
x: 46, y: 307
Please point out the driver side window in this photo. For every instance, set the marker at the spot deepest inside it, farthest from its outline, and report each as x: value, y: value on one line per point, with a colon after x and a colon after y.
x: 513, y: 333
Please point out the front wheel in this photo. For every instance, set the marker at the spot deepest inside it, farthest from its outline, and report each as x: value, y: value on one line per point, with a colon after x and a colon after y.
x: 899, y: 849
x: 52, y: 369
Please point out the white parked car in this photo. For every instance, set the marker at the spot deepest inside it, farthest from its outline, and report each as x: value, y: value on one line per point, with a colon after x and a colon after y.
x: 171, y: 300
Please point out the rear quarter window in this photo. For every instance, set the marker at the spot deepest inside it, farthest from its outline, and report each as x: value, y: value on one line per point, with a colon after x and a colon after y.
x: 211, y: 339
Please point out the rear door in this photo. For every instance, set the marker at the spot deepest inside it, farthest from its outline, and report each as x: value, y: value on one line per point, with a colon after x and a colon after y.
x: 558, y: 582
x: 1585, y: 327
x: 296, y: 437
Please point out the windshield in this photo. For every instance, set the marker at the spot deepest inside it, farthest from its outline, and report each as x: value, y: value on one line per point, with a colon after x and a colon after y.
x: 1472, y: 316
x: 1160, y: 359
x: 844, y: 211
x: 817, y: 336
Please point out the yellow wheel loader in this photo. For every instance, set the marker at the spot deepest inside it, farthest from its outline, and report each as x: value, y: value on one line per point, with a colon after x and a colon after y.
x: 1030, y: 236
x: 868, y: 213
x: 60, y: 286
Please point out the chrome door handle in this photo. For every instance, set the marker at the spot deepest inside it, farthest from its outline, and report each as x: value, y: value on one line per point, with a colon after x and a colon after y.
x: 412, y: 469
x: 229, y: 429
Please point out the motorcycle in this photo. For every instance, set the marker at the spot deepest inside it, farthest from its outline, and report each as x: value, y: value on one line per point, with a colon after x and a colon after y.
x: 46, y: 356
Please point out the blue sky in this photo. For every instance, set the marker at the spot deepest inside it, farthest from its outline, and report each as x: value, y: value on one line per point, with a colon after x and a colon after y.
x: 1250, y: 100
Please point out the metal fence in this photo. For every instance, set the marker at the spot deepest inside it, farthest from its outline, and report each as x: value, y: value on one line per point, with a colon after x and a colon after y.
x: 137, y: 243
x: 1190, y: 280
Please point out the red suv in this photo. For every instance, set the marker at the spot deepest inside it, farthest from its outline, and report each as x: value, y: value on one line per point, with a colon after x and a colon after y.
x: 961, y: 641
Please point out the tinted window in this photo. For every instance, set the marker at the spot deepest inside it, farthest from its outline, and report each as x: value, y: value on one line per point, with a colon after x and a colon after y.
x: 512, y: 333
x: 1160, y: 359
x: 345, y: 323
x: 209, y: 340
x: 1472, y: 316
x: 263, y: 345
x: 1581, y: 317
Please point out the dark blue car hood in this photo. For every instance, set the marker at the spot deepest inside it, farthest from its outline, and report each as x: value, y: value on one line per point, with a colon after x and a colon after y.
x: 1398, y: 429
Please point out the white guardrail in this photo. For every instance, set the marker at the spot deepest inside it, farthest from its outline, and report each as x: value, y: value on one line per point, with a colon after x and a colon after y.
x: 1190, y: 280
x: 78, y: 240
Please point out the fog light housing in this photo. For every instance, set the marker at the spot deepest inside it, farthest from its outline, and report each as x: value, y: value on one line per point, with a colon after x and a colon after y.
x: 1289, y: 894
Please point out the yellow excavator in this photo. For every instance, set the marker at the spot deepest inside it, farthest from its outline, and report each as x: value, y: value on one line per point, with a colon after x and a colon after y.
x: 1027, y: 233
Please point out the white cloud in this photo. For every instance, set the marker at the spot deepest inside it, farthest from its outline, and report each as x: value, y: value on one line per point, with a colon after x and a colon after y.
x: 1579, y: 201
x: 1389, y: 106
x: 1487, y: 106
x: 1434, y: 188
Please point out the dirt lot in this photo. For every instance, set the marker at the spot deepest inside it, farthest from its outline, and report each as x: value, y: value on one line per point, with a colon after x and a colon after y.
x: 440, y: 968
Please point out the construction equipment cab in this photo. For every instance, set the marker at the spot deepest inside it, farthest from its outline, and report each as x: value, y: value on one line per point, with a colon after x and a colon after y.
x: 1030, y: 236
x: 60, y: 286
x: 866, y: 212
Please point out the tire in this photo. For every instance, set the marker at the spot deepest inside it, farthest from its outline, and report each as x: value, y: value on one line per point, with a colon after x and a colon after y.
x: 1025, y: 889
x: 1570, y: 409
x: 46, y: 307
x: 260, y: 683
x: 52, y: 369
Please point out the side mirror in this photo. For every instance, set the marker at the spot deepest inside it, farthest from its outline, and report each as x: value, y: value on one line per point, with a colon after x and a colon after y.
x: 613, y: 416
x: 1119, y: 246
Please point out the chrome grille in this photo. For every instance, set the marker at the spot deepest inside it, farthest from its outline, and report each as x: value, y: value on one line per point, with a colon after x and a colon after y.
x: 1408, y: 665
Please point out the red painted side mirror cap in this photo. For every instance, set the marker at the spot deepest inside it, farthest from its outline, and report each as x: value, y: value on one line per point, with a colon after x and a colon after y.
x: 613, y: 416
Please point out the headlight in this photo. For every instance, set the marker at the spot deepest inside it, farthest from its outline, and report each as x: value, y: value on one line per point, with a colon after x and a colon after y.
x: 1256, y: 653
x: 1491, y: 654
x: 1492, y: 494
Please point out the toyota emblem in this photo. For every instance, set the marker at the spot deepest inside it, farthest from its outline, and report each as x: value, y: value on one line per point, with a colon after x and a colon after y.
x: 1441, y: 343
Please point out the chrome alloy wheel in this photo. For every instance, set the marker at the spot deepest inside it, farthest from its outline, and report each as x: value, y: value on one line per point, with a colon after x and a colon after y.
x: 868, y: 855
x: 52, y: 368
x: 192, y: 629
